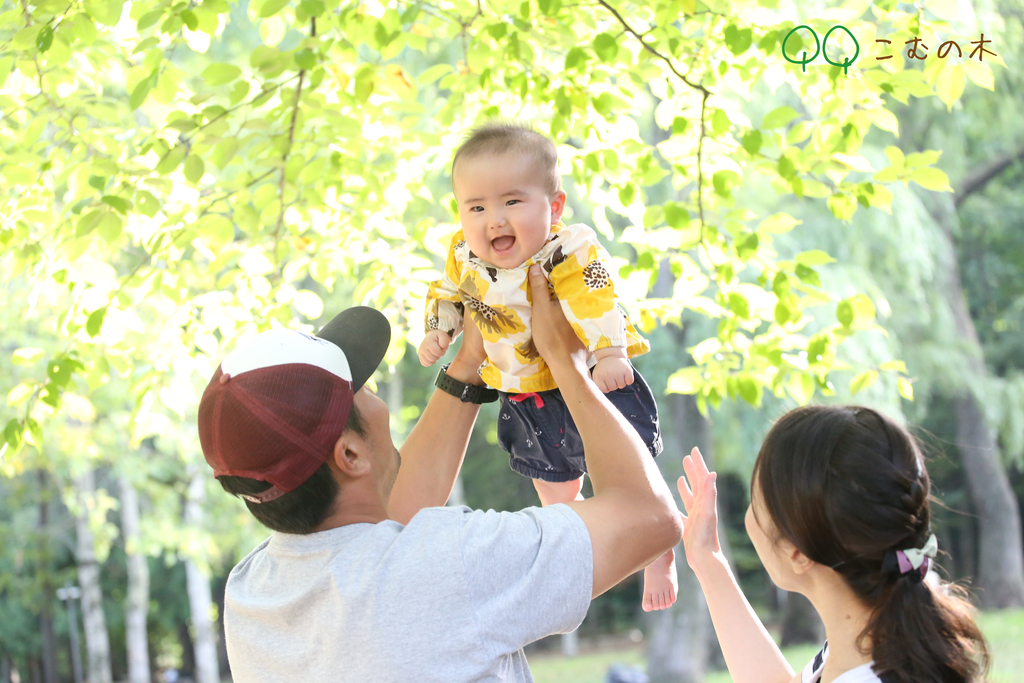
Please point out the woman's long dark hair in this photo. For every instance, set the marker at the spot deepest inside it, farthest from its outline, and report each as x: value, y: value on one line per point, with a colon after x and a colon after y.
x: 846, y: 485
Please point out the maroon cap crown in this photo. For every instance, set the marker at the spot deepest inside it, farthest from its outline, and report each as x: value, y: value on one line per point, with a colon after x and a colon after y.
x: 275, y: 407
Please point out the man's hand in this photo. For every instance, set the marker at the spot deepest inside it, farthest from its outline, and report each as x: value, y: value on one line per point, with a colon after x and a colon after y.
x: 433, y: 346
x: 612, y: 373
x: 552, y: 334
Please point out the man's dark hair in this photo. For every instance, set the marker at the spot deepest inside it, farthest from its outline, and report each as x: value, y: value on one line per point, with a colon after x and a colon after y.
x: 300, y: 511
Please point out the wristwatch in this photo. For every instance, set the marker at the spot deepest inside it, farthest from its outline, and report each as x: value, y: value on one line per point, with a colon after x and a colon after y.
x: 467, y: 393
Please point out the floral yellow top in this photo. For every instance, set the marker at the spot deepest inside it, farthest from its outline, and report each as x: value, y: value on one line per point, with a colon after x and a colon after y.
x: 498, y: 300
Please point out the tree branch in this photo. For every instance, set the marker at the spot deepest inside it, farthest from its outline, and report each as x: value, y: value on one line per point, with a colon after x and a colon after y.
x: 978, y: 177
x: 705, y: 93
x: 288, y: 150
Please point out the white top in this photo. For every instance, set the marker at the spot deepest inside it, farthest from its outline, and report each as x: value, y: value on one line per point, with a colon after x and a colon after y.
x: 861, y: 674
x: 452, y: 597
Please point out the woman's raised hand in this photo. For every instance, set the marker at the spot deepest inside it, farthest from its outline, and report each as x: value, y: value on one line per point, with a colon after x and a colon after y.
x: 700, y: 523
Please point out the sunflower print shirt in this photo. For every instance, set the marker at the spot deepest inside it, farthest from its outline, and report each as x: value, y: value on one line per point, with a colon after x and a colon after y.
x: 499, y: 302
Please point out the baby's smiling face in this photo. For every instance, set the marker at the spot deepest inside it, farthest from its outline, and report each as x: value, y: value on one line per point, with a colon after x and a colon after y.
x: 505, y: 210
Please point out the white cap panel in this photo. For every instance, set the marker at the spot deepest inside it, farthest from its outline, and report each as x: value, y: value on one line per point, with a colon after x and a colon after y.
x: 281, y: 347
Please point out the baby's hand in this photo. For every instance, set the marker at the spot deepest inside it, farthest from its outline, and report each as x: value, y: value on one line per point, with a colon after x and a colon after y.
x: 612, y: 373
x: 433, y: 346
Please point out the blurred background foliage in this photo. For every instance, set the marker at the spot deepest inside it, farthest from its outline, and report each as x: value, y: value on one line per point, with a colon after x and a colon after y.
x: 179, y: 173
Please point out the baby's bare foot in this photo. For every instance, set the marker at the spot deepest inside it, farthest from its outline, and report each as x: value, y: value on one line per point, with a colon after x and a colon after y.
x: 660, y: 583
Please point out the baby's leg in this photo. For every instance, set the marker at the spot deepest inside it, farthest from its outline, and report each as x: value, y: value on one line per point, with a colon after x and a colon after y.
x: 552, y: 492
x: 660, y: 582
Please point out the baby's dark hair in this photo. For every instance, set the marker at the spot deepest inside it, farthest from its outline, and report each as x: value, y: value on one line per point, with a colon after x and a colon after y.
x: 846, y: 485
x: 500, y: 136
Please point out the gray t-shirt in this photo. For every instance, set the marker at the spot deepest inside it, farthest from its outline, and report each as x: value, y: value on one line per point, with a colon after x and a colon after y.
x: 451, y: 597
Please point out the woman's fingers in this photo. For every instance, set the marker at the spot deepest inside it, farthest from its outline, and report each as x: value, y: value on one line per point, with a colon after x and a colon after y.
x: 685, y: 493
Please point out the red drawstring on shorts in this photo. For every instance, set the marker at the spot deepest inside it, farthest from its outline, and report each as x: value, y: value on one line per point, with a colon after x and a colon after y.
x: 522, y: 397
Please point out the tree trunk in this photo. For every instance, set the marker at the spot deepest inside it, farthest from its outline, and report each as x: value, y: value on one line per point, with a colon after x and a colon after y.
x: 199, y: 594
x: 679, y: 645
x: 1001, y: 557
x: 97, y: 643
x: 49, y: 667
x: 137, y: 608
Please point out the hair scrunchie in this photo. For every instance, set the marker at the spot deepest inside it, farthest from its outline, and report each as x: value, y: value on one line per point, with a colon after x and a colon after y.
x: 912, y: 561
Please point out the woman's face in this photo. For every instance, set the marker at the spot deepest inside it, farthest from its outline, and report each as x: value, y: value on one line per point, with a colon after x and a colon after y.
x: 776, y: 556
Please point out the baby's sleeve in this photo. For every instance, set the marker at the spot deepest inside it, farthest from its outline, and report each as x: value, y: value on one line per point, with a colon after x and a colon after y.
x: 444, y: 307
x: 586, y: 291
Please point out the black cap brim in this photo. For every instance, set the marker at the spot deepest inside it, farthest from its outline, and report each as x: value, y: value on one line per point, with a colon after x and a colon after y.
x: 364, y: 334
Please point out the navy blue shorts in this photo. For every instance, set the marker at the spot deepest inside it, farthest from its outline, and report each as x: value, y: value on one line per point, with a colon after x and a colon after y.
x: 542, y: 440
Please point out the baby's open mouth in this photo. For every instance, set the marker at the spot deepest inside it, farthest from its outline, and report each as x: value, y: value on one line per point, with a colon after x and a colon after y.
x: 503, y: 243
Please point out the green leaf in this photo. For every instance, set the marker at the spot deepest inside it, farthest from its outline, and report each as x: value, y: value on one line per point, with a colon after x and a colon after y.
x: 905, y: 388
x: 141, y: 90
x: 778, y: 224
x: 842, y: 206
x: 271, y: 7
x: 738, y: 40
x: 676, y: 216
x: 87, y: 223
x: 190, y: 19
x: 44, y: 39
x: 194, y: 168
x: 894, y: 366
x: 224, y: 152
x: 13, y: 434
x: 950, y: 85
x: 221, y: 74
x: 314, y: 8
x: 863, y: 381
x: 171, y: 160
x: 305, y: 59
x: 110, y: 227
x: 801, y: 387
x: 786, y: 167
x: 117, y: 203
x: 627, y: 193
x: 778, y: 117
x: 750, y: 391
x: 739, y: 305
x: 813, y: 258
x: 434, y: 73
x: 606, y: 47
x: 27, y: 356
x: 752, y: 141
x: 20, y: 394
x: 931, y: 179
x: 844, y: 313
x: 95, y: 321
x: 807, y: 275
x: 106, y: 12
x: 688, y: 380
x: 782, y: 312
x: 896, y: 158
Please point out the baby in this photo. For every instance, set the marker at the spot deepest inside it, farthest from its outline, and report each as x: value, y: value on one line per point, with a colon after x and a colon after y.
x: 506, y: 183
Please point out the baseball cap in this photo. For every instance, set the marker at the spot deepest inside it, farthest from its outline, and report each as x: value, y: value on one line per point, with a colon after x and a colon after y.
x: 277, y: 403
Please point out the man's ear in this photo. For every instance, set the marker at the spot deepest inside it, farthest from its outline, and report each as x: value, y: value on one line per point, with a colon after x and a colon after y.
x: 557, y: 206
x: 350, y: 455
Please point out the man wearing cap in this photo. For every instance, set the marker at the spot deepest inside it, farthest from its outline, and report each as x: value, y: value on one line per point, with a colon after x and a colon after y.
x: 367, y: 576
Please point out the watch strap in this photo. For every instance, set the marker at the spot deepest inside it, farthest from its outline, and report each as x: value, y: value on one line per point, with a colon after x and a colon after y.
x: 467, y: 393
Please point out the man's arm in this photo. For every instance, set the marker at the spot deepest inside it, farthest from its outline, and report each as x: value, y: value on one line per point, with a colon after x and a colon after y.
x: 632, y: 518
x: 433, y: 452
